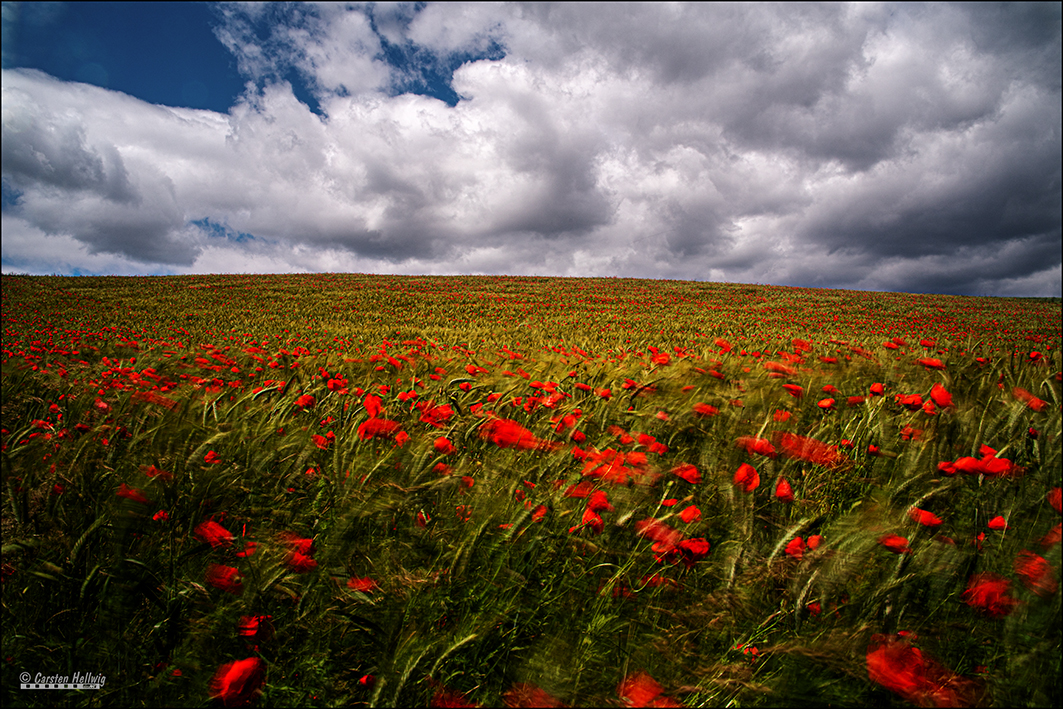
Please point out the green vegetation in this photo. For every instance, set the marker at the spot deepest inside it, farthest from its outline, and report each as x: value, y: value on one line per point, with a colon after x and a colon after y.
x: 413, y: 491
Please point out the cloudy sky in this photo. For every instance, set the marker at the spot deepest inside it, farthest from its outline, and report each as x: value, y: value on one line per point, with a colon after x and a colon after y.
x: 884, y: 147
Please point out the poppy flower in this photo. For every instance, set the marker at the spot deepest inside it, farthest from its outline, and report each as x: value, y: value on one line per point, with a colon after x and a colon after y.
x: 591, y: 519
x: 757, y: 446
x: 877, y: 389
x: 693, y: 550
x: 746, y: 477
x: 825, y: 404
x: 998, y: 524
x: 523, y: 694
x: 539, y: 512
x: 796, y: 548
x: 894, y: 664
x: 783, y: 491
x: 373, y: 406
x: 705, y: 410
x: 895, y: 543
x: 796, y: 390
x: 506, y: 433
x: 306, y: 401
x: 781, y: 416
x: 1055, y: 498
x: 212, y: 457
x: 687, y: 472
x: 131, y: 493
x: 378, y: 428
x: 444, y: 446
x: 152, y: 472
x: 988, y: 592
x: 809, y: 449
x: 927, y: 519
x: 931, y: 363
x: 300, y: 563
x: 1053, y: 537
x: 214, y: 534
x: 690, y: 514
x: 599, y: 502
x: 238, y: 683
x: 226, y: 578
x: 664, y: 537
x: 814, y: 541
x: 1036, y: 573
x: 641, y: 690
x: 940, y: 396
x: 365, y: 585
x: 912, y: 402
x: 1031, y: 401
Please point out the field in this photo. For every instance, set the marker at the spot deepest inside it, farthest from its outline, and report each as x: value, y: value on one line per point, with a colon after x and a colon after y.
x: 348, y: 490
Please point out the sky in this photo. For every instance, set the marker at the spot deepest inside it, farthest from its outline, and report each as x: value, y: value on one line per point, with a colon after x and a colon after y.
x: 888, y: 147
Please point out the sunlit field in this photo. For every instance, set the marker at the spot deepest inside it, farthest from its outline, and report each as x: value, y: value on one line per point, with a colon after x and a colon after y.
x: 348, y: 490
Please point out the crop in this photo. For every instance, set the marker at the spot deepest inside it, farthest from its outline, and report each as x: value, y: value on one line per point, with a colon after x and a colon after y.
x: 454, y: 491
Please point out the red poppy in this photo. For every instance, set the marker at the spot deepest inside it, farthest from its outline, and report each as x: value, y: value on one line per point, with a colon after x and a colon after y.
x: 877, y: 389
x: 687, y: 472
x: 895, y: 543
x: 379, y: 428
x: 306, y: 401
x: 804, y: 448
x: 591, y: 519
x: 705, y: 410
x: 444, y: 446
x: 912, y: 402
x: 506, y: 433
x: 226, y: 578
x: 783, y: 491
x: 988, y: 593
x: 664, y: 537
x: 894, y: 664
x: 257, y: 628
x: 781, y: 416
x: 152, y: 472
x: 539, y: 512
x: 373, y: 406
x: 641, y: 690
x: 300, y: 563
x: 998, y: 523
x: 1031, y: 401
x: 927, y: 519
x: 796, y: 390
x: 1055, y: 498
x: 931, y: 363
x: 131, y: 493
x: 825, y: 404
x: 746, y: 477
x: 527, y: 695
x: 758, y: 446
x: 940, y: 396
x: 212, y: 457
x: 1053, y: 537
x: 1036, y: 573
x: 365, y: 585
x: 690, y: 514
x: 796, y: 548
x: 814, y: 541
x: 599, y: 502
x: 238, y: 683
x: 214, y: 534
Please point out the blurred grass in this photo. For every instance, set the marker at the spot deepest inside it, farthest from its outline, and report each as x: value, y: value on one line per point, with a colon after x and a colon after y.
x: 473, y: 595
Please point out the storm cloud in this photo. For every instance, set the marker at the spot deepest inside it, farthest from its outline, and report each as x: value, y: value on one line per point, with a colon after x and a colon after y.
x: 889, y: 147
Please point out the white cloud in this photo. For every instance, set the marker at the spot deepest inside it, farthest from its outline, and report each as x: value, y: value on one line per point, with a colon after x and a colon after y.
x: 819, y: 145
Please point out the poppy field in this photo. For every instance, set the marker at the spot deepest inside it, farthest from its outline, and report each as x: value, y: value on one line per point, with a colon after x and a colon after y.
x: 355, y: 490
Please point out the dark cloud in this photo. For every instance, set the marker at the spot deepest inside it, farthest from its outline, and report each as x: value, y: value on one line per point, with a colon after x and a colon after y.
x: 891, y: 147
